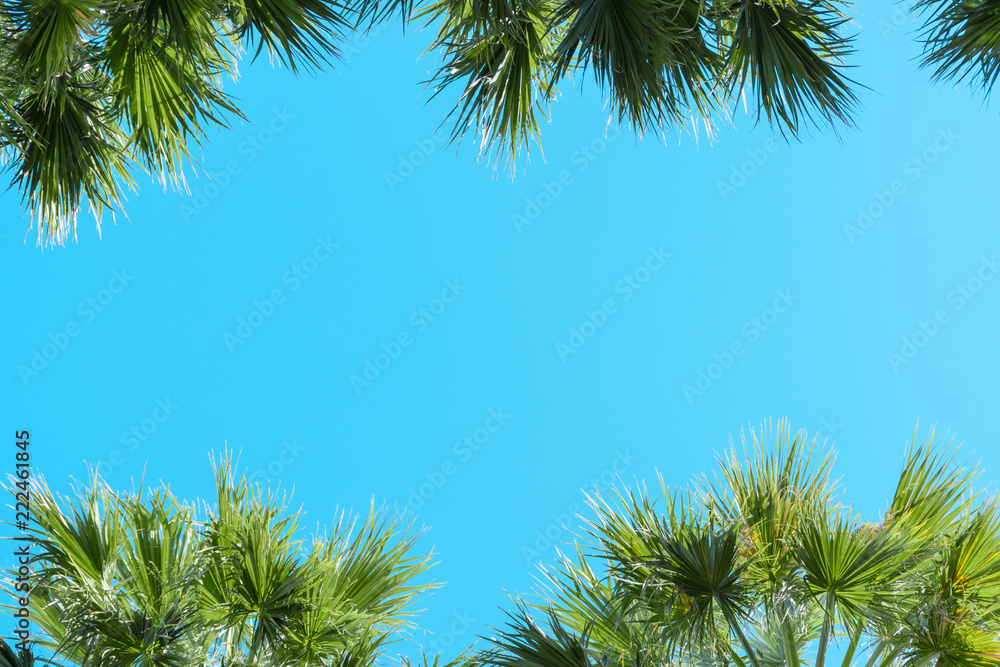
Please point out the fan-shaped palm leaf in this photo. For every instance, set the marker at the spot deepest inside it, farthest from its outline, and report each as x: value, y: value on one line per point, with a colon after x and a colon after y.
x: 961, y: 40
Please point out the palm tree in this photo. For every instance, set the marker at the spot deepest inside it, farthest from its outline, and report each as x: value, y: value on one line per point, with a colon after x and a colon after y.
x: 962, y: 40
x: 88, y: 90
x: 142, y: 581
x: 11, y: 658
x: 763, y: 566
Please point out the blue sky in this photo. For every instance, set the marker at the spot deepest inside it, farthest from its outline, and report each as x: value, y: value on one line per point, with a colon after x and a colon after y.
x: 522, y: 338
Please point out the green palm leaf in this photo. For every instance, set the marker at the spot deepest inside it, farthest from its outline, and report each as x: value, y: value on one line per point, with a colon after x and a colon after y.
x: 652, y: 54
x: 141, y: 581
x: 524, y: 643
x: 10, y: 658
x: 501, y: 55
x: 763, y: 566
x: 961, y: 40
x: 789, y: 53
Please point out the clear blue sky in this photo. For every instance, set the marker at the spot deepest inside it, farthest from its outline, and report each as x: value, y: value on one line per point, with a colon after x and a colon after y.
x: 672, y: 258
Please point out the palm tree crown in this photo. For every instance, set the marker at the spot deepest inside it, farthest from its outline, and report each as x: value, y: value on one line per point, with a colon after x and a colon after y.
x: 764, y: 567
x: 141, y: 581
x: 89, y: 90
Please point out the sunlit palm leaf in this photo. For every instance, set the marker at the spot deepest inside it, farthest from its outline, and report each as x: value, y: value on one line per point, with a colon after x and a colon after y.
x: 652, y: 54
x: 962, y: 40
x: 49, y: 37
x: 684, y: 566
x: 524, y: 643
x: 165, y: 90
x: 139, y: 581
x: 789, y: 53
x: 503, y: 62
x: 256, y: 583
x: 11, y: 658
x: 932, y: 492
x: 763, y: 566
x: 957, y: 620
x: 855, y: 572
x: 589, y: 605
x: 771, y: 483
x: 69, y: 152
x: 297, y: 32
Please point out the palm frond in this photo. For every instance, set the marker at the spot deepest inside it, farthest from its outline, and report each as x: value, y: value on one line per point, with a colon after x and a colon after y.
x: 501, y: 55
x: 855, y: 572
x: 165, y: 89
x: 932, y: 492
x: 652, y: 54
x: 296, y: 32
x: 70, y: 151
x: 961, y: 40
x: 524, y: 643
x: 789, y: 54
x: 11, y: 658
x: 763, y: 566
x: 771, y: 483
x: 139, y: 580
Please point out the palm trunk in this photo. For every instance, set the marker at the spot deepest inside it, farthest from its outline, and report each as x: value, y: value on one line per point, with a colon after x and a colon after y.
x: 824, y: 637
x: 739, y: 633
